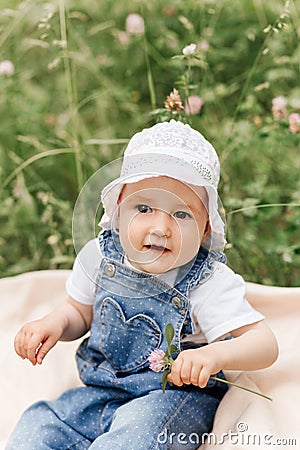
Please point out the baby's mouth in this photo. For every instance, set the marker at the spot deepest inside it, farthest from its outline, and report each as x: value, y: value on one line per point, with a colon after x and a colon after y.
x: 157, y: 248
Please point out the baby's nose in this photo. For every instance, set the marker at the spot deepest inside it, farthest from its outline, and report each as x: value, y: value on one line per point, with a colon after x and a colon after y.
x: 161, y: 226
x: 158, y: 235
x: 158, y: 232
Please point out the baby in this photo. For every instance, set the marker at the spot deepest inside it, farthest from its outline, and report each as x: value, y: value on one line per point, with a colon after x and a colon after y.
x: 158, y: 260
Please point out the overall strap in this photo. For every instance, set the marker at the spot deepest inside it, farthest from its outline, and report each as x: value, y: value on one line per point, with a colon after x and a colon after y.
x: 199, y: 270
x: 110, y: 245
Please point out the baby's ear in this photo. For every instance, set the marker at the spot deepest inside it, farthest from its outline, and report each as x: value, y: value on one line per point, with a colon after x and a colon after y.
x: 117, y: 213
x: 207, y: 231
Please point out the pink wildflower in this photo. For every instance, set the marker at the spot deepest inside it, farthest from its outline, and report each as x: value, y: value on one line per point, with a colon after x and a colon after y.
x: 156, y: 359
x: 279, y: 107
x: 193, y: 105
x: 6, y: 68
x: 294, y: 123
x: 189, y: 50
x: 204, y: 45
x: 135, y: 24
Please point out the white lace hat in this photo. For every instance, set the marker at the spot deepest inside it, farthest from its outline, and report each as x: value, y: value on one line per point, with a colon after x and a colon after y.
x: 175, y: 150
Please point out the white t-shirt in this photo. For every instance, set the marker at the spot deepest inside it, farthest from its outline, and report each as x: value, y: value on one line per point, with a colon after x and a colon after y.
x: 217, y: 306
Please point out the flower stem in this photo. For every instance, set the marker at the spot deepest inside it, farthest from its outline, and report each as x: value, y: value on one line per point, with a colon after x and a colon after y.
x: 32, y: 159
x: 241, y: 387
x: 269, y: 205
x: 70, y: 94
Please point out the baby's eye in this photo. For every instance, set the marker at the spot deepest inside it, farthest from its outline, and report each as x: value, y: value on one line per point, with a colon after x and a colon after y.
x: 144, y: 209
x: 182, y: 215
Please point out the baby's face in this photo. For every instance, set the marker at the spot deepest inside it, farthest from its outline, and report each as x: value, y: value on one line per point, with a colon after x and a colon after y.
x: 162, y: 223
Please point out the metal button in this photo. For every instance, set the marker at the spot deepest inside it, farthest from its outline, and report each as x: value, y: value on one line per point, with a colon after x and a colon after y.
x: 109, y: 270
x: 185, y: 322
x: 176, y: 302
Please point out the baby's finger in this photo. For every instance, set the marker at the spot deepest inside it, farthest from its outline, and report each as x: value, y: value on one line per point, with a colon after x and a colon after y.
x: 32, y: 346
x: 175, y: 375
x: 19, y: 345
x: 203, y: 377
x: 44, y: 349
x: 195, y: 372
x: 185, y: 374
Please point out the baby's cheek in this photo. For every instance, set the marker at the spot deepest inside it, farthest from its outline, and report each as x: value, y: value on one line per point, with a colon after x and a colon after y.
x: 133, y: 237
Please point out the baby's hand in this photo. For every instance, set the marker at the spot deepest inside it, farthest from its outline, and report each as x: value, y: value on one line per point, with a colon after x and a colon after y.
x: 35, y: 339
x: 195, y: 366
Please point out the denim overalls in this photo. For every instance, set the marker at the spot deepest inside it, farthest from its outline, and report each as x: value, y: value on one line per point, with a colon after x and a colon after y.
x: 121, y: 406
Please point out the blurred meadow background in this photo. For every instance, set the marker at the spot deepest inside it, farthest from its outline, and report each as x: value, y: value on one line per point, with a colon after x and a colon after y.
x: 79, y: 78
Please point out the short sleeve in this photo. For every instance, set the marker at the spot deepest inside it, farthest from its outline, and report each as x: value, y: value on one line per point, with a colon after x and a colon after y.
x: 81, y: 283
x: 219, y: 306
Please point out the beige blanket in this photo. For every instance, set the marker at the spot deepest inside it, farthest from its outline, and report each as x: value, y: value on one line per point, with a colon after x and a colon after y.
x: 243, y: 420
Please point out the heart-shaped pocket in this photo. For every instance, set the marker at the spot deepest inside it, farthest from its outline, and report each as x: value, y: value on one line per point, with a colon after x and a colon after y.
x: 126, y: 342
